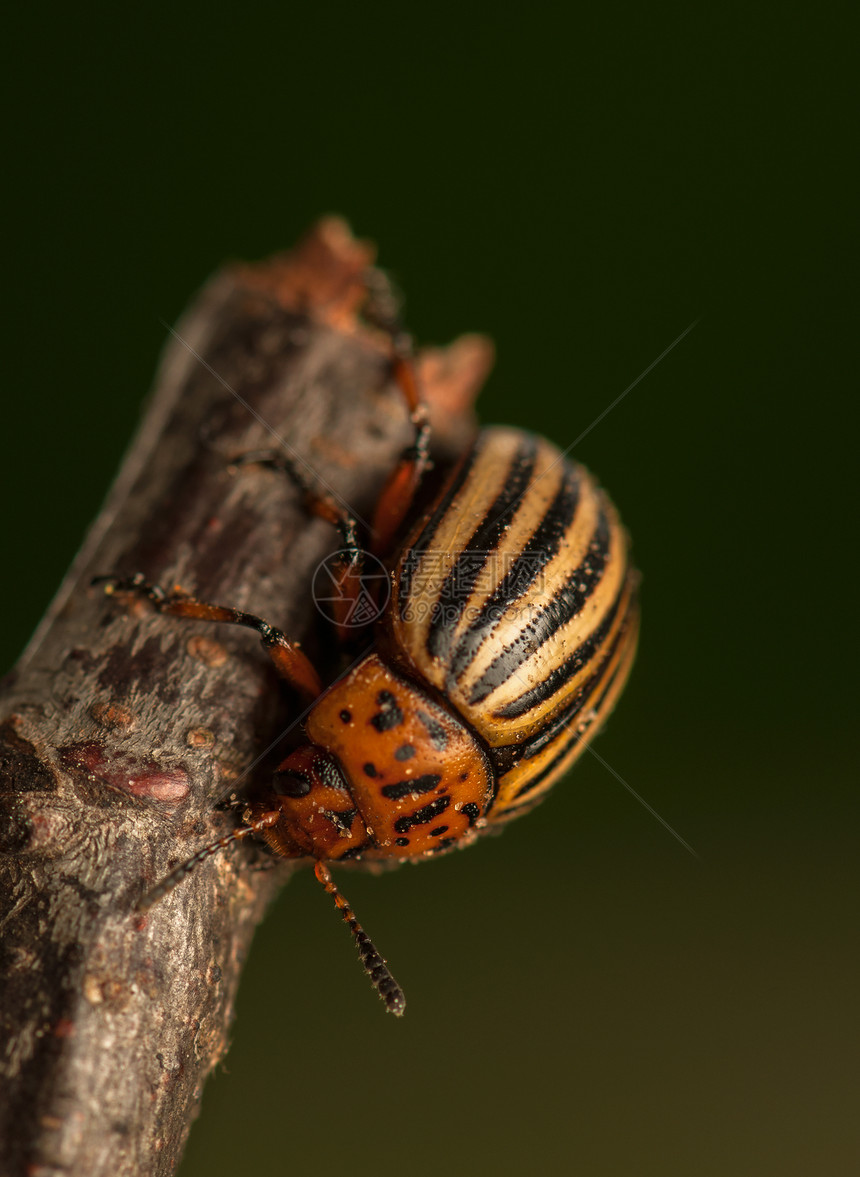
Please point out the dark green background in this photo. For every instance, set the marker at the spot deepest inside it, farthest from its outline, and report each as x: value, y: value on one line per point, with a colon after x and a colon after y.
x: 581, y: 183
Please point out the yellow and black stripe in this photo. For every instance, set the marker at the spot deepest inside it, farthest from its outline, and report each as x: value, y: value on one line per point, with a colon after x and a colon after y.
x: 515, y: 598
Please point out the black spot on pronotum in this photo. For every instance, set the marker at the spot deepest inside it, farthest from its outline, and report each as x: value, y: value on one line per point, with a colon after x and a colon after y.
x: 405, y: 752
x: 418, y: 784
x: 438, y: 831
x: 390, y: 715
x: 438, y: 735
x: 422, y: 816
x: 464, y: 776
x: 471, y: 811
x: 401, y: 841
x: 370, y: 769
x: 345, y: 716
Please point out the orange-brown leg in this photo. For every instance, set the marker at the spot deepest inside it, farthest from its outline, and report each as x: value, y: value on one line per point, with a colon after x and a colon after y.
x: 382, y: 308
x: 404, y: 480
x: 347, y: 565
x: 324, y: 506
x: 402, y: 484
x: 290, y: 663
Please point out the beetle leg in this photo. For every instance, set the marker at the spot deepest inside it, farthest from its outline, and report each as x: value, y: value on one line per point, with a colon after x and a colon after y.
x: 289, y: 661
x: 382, y: 309
x: 404, y: 480
x: 324, y: 506
x: 347, y: 565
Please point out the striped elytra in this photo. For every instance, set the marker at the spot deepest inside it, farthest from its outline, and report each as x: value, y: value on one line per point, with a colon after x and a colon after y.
x: 516, y: 600
x: 509, y: 634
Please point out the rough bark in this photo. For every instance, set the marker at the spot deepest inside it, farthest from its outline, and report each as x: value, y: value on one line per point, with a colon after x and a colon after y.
x: 121, y: 730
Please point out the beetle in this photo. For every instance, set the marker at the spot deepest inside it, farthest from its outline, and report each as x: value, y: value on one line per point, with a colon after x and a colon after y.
x: 509, y: 633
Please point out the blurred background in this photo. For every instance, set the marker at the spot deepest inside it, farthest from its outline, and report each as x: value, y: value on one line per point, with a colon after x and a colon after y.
x: 582, y: 184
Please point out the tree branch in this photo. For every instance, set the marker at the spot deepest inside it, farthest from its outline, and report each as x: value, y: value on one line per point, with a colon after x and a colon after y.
x: 120, y: 729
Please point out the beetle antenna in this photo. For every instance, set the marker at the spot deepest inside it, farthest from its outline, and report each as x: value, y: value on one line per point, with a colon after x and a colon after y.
x: 178, y: 873
x: 374, y: 965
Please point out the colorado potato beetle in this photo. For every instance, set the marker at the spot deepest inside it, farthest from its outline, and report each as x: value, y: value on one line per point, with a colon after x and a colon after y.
x: 509, y: 633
